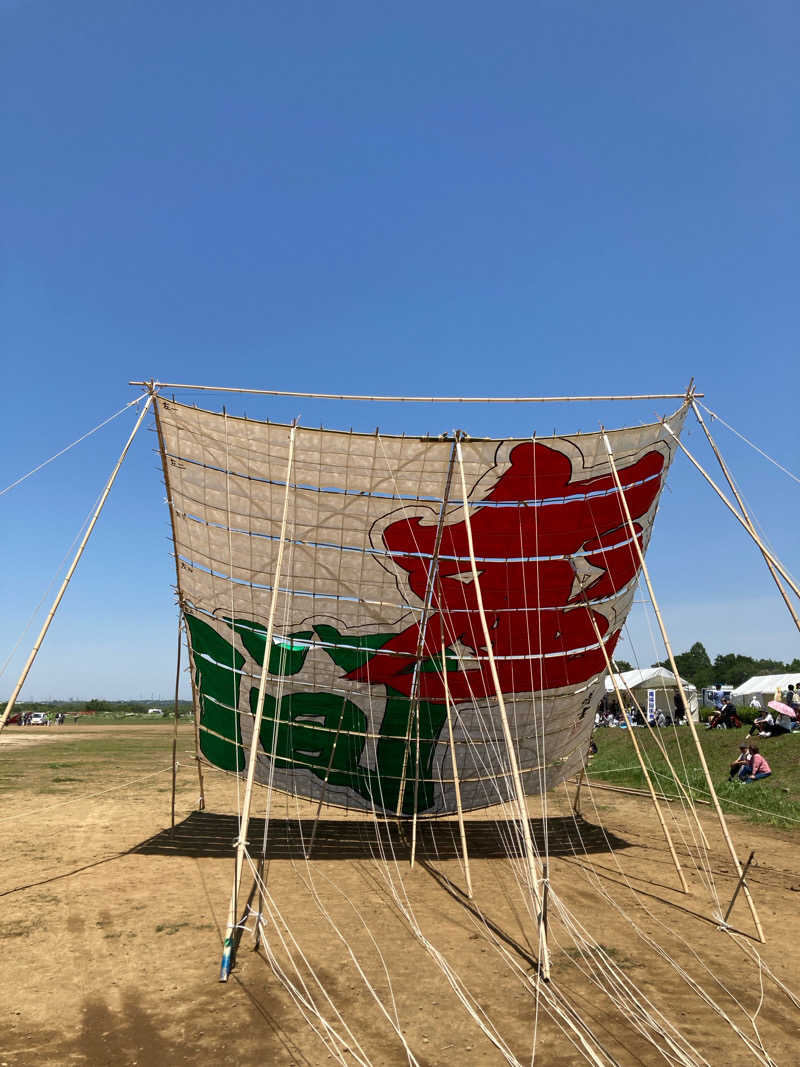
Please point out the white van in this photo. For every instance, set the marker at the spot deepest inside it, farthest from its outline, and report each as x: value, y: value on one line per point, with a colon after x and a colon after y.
x: 154, y: 711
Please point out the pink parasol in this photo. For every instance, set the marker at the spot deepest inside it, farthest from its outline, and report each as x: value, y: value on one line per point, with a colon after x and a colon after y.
x: 782, y: 709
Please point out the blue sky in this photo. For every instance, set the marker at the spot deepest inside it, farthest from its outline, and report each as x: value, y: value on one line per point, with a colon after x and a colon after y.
x: 537, y: 198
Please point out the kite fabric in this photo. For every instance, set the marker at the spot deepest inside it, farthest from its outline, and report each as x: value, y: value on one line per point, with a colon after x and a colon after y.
x: 378, y: 638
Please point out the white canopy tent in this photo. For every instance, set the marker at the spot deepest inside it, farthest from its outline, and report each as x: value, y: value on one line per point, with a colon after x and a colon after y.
x: 659, y: 679
x: 764, y: 686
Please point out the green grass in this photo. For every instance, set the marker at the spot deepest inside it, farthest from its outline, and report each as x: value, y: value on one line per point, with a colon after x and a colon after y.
x: 774, y: 800
x: 87, y: 763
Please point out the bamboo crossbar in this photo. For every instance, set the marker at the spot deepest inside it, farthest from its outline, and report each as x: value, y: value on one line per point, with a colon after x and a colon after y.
x: 413, y: 399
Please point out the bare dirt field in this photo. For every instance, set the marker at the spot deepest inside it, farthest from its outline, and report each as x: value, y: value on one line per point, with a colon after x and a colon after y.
x: 112, y: 928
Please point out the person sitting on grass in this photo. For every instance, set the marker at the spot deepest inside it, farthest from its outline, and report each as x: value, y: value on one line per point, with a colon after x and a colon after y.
x: 726, y: 717
x: 759, y: 768
x: 763, y: 722
x: 742, y: 762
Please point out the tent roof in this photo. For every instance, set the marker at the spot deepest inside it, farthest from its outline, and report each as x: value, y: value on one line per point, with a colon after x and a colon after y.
x: 652, y: 677
x: 766, y: 683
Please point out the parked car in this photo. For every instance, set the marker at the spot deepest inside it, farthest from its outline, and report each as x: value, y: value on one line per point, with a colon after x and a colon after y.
x: 39, y: 718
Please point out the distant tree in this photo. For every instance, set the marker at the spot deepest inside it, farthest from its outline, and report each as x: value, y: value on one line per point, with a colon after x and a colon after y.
x: 695, y: 665
x: 623, y: 665
x: 97, y: 705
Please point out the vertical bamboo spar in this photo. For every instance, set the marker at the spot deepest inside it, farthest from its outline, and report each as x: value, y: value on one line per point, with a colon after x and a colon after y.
x: 745, y: 512
x: 201, y: 800
x: 241, y: 844
x: 59, y: 595
x: 701, y: 755
x: 519, y: 792
x: 456, y: 783
x: 175, y: 726
x: 413, y: 715
x: 632, y: 735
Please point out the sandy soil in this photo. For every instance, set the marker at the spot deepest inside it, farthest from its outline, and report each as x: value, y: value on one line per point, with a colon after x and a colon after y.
x: 112, y: 932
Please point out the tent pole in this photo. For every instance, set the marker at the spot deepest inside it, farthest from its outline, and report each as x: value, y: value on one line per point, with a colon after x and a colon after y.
x: 632, y: 734
x: 59, y: 595
x: 519, y: 791
x: 665, y: 637
x: 241, y: 844
x: 768, y: 556
x: 746, y: 514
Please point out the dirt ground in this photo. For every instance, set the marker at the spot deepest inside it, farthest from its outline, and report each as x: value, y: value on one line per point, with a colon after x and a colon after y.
x: 112, y: 928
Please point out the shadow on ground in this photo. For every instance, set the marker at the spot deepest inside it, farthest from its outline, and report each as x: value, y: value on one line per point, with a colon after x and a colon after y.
x: 206, y: 833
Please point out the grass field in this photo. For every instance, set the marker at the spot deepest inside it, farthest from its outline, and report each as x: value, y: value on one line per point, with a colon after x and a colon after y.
x: 774, y: 800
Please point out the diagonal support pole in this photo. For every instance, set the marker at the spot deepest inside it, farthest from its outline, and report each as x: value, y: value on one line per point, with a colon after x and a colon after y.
x: 519, y: 791
x: 241, y: 844
x: 60, y: 594
x: 634, y: 533
x: 632, y: 734
x: 746, y: 514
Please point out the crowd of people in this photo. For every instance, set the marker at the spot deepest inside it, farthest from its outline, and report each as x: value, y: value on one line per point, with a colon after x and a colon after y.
x: 750, y: 765
x: 609, y: 713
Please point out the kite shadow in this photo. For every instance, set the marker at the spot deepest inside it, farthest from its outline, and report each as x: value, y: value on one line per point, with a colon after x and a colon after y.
x: 213, y: 835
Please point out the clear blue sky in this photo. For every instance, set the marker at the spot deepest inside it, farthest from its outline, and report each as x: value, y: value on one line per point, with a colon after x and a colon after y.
x: 526, y: 198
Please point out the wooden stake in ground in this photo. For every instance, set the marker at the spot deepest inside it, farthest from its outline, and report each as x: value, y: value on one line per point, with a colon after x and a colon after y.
x: 634, y: 533
x: 519, y: 791
x: 59, y: 595
x: 632, y: 734
x: 241, y: 844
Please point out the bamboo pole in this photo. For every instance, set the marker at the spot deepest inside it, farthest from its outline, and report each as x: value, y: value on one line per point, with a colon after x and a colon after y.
x: 201, y: 800
x: 745, y: 513
x: 665, y: 637
x: 175, y: 727
x: 76, y: 559
x: 181, y: 616
x: 325, y: 783
x: 241, y: 844
x: 691, y: 801
x: 417, y: 399
x: 768, y: 556
x: 413, y: 715
x: 576, y: 803
x: 632, y: 734
x: 519, y: 791
x: 739, y: 885
x: 456, y: 782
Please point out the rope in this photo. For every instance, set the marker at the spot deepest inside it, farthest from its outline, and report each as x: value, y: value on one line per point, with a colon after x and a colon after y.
x: 87, y: 796
x: 78, y: 440
x: 747, y: 441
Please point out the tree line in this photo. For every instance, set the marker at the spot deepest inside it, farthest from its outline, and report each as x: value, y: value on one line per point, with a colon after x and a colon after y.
x: 730, y: 668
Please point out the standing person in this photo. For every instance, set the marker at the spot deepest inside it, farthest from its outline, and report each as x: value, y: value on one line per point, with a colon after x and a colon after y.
x: 759, y: 768
x: 680, y: 708
x: 741, y: 762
